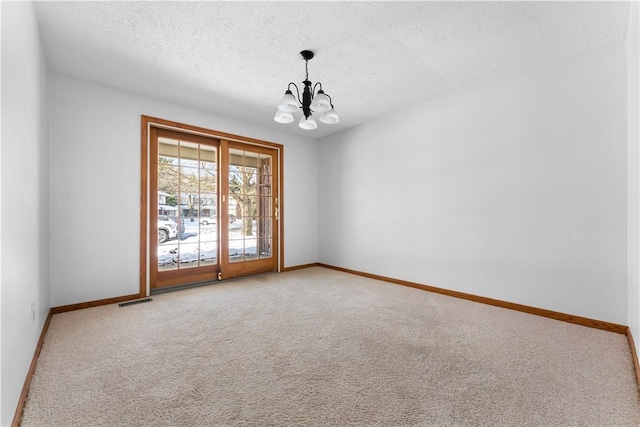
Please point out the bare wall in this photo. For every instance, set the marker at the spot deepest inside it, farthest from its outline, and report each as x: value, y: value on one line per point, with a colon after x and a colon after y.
x: 25, y: 199
x: 514, y: 190
x: 633, y: 172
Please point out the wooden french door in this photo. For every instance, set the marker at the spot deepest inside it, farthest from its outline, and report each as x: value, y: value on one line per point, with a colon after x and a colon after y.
x: 249, y: 209
x: 214, y: 208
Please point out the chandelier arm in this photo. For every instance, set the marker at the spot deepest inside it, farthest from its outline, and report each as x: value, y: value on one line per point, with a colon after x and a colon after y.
x: 297, y: 91
x: 330, y: 100
x: 314, y: 88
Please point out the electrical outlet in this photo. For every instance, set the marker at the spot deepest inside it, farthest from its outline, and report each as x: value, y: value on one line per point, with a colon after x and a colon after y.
x: 33, y: 311
x: 301, y: 248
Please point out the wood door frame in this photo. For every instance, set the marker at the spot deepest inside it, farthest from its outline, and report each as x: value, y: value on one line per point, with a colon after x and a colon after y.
x: 146, y: 123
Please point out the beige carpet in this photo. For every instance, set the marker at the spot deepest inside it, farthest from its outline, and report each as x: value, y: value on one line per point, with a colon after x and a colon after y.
x: 317, y: 347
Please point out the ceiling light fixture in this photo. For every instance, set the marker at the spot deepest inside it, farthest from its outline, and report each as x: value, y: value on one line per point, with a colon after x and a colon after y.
x: 312, y: 102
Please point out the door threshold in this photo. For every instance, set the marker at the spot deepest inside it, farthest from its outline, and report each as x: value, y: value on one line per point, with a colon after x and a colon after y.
x: 167, y: 289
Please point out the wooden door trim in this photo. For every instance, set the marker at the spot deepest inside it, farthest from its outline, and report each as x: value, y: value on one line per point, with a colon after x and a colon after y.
x: 146, y: 123
x: 144, y: 196
x: 181, y: 127
x: 223, y: 209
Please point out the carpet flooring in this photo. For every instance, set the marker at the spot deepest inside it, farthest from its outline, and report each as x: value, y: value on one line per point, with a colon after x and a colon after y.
x: 318, y: 347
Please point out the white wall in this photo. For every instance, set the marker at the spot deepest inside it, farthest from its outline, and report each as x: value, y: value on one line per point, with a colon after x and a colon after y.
x: 25, y: 198
x: 95, y: 186
x: 1, y: 204
x: 633, y: 171
x: 515, y: 190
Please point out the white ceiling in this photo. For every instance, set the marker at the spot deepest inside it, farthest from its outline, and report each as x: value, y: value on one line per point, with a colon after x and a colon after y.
x: 236, y: 58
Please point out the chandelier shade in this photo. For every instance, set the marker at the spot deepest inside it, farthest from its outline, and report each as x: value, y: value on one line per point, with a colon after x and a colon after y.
x: 310, y: 101
x: 283, y: 117
x: 288, y: 103
x: 330, y: 117
x: 307, y: 123
x: 321, y: 103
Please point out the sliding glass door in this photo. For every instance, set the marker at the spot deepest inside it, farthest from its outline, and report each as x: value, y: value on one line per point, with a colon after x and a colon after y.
x: 214, y: 208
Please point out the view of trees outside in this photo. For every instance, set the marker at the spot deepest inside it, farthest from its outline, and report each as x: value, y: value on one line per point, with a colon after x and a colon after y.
x: 249, y: 180
x: 243, y: 188
x: 191, y: 185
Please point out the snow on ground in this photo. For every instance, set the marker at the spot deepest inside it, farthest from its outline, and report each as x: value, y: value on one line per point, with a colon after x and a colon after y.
x: 200, y: 242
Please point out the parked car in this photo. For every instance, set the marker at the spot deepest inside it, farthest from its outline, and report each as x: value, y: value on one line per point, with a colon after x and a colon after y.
x: 212, y: 220
x: 168, y: 228
x: 208, y: 220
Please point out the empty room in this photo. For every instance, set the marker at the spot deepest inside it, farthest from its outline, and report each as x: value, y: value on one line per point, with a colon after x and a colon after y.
x: 320, y: 213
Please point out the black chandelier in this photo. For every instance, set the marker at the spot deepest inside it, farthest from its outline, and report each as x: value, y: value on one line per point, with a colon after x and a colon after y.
x: 312, y: 102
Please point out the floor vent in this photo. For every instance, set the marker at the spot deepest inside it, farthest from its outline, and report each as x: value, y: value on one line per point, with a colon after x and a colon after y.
x: 139, y: 301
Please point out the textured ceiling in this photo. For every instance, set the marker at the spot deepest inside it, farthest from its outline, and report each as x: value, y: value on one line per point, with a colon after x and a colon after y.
x: 236, y: 58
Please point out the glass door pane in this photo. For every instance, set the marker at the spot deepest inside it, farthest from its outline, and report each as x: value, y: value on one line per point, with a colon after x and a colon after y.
x: 251, y: 205
x: 187, y: 197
